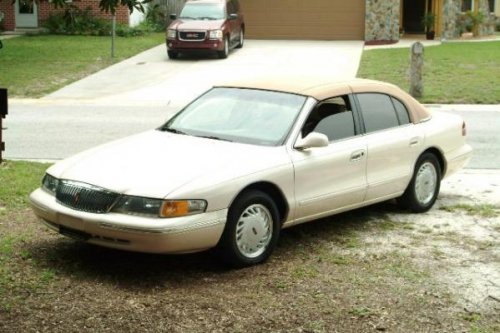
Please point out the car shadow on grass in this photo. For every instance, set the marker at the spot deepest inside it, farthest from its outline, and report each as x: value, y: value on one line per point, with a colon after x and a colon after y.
x: 138, y: 271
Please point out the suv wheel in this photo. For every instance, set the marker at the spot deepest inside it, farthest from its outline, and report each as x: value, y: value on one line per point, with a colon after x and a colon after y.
x: 242, y: 39
x: 173, y: 54
x: 224, y: 53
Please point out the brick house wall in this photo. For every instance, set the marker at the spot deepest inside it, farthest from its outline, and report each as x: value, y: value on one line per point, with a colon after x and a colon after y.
x: 8, y: 22
x: 45, y: 9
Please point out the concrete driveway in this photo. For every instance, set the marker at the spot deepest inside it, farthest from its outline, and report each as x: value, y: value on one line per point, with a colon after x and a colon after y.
x: 150, y: 78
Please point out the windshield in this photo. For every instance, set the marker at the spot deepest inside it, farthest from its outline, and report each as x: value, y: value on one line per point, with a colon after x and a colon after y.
x: 197, y: 11
x: 241, y: 115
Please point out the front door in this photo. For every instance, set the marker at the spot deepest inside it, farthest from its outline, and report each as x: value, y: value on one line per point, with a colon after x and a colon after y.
x: 330, y: 179
x: 413, y: 12
x: 26, y: 14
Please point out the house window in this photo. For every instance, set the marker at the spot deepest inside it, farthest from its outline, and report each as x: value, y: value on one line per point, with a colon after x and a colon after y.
x: 491, y: 4
x: 25, y: 7
x: 467, y: 5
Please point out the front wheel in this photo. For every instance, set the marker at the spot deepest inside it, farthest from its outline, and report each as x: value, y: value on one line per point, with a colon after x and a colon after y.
x: 252, y: 230
x: 225, y: 52
x: 173, y: 54
x: 422, y: 192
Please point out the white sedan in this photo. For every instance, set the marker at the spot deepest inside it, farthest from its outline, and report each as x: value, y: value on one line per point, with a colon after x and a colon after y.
x: 245, y: 160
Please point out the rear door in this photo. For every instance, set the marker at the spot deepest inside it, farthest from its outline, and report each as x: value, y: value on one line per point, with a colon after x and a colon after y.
x: 393, y: 144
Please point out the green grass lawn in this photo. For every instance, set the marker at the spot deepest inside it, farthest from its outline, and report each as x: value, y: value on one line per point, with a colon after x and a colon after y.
x: 453, y: 72
x: 18, y: 180
x: 32, y: 66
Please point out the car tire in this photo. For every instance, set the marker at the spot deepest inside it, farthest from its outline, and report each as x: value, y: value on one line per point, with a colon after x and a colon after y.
x: 242, y: 39
x: 173, y: 54
x: 225, y: 52
x: 252, y: 230
x: 423, y: 190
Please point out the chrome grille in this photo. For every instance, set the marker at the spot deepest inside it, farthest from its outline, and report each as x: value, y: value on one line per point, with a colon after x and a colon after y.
x: 192, y: 36
x: 85, y: 197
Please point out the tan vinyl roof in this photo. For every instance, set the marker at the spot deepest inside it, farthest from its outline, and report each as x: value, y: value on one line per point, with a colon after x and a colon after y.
x: 322, y: 89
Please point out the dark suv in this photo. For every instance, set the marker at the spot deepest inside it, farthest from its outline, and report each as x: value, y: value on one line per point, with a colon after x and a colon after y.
x: 206, y: 25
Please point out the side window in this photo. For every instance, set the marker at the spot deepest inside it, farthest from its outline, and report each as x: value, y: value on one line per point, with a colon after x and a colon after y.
x: 230, y: 8
x: 401, y: 111
x: 333, y: 117
x: 378, y: 111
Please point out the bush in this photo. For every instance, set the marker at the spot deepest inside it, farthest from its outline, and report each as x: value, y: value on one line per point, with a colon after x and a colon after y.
x: 74, y: 21
x: 464, y: 24
x: 155, y: 18
x: 124, y: 30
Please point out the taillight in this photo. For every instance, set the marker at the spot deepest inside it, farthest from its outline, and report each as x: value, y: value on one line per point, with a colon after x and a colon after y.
x: 464, y: 129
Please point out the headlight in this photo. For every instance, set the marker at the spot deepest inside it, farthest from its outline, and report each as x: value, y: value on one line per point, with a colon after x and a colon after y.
x: 50, y: 183
x: 171, y: 34
x: 215, y: 34
x: 157, y: 207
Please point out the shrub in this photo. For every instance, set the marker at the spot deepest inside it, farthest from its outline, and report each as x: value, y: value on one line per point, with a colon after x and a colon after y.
x: 464, y: 24
x: 476, y: 19
x: 155, y: 18
x: 74, y: 21
x: 124, y: 30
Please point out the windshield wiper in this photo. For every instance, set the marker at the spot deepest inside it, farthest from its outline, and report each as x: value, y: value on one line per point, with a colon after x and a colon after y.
x: 173, y: 130
x: 212, y: 137
x: 206, y: 18
x: 187, y: 18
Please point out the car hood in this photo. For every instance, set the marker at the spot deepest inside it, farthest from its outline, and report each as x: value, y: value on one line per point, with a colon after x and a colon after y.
x: 155, y: 163
x: 196, y: 24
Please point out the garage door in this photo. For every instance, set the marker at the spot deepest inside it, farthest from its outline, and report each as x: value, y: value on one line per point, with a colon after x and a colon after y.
x: 304, y: 19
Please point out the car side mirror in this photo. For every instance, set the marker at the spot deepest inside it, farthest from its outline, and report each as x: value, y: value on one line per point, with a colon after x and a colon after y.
x: 173, y: 16
x: 233, y: 16
x: 312, y: 140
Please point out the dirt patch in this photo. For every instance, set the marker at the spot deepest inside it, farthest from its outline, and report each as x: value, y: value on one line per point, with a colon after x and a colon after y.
x: 375, y: 269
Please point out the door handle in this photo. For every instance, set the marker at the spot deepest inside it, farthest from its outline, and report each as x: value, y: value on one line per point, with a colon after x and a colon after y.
x: 414, y: 141
x: 357, y: 155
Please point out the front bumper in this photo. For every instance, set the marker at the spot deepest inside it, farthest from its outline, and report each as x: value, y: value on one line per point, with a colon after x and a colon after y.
x: 205, y: 45
x: 133, y: 233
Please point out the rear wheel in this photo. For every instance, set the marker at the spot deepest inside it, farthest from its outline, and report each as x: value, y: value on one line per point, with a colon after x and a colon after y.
x: 422, y: 192
x: 252, y: 230
x: 225, y: 52
x: 242, y: 39
x: 173, y: 54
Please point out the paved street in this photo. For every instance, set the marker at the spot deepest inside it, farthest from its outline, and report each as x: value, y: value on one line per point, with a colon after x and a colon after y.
x: 39, y: 131
x: 483, y: 125
x: 47, y: 131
